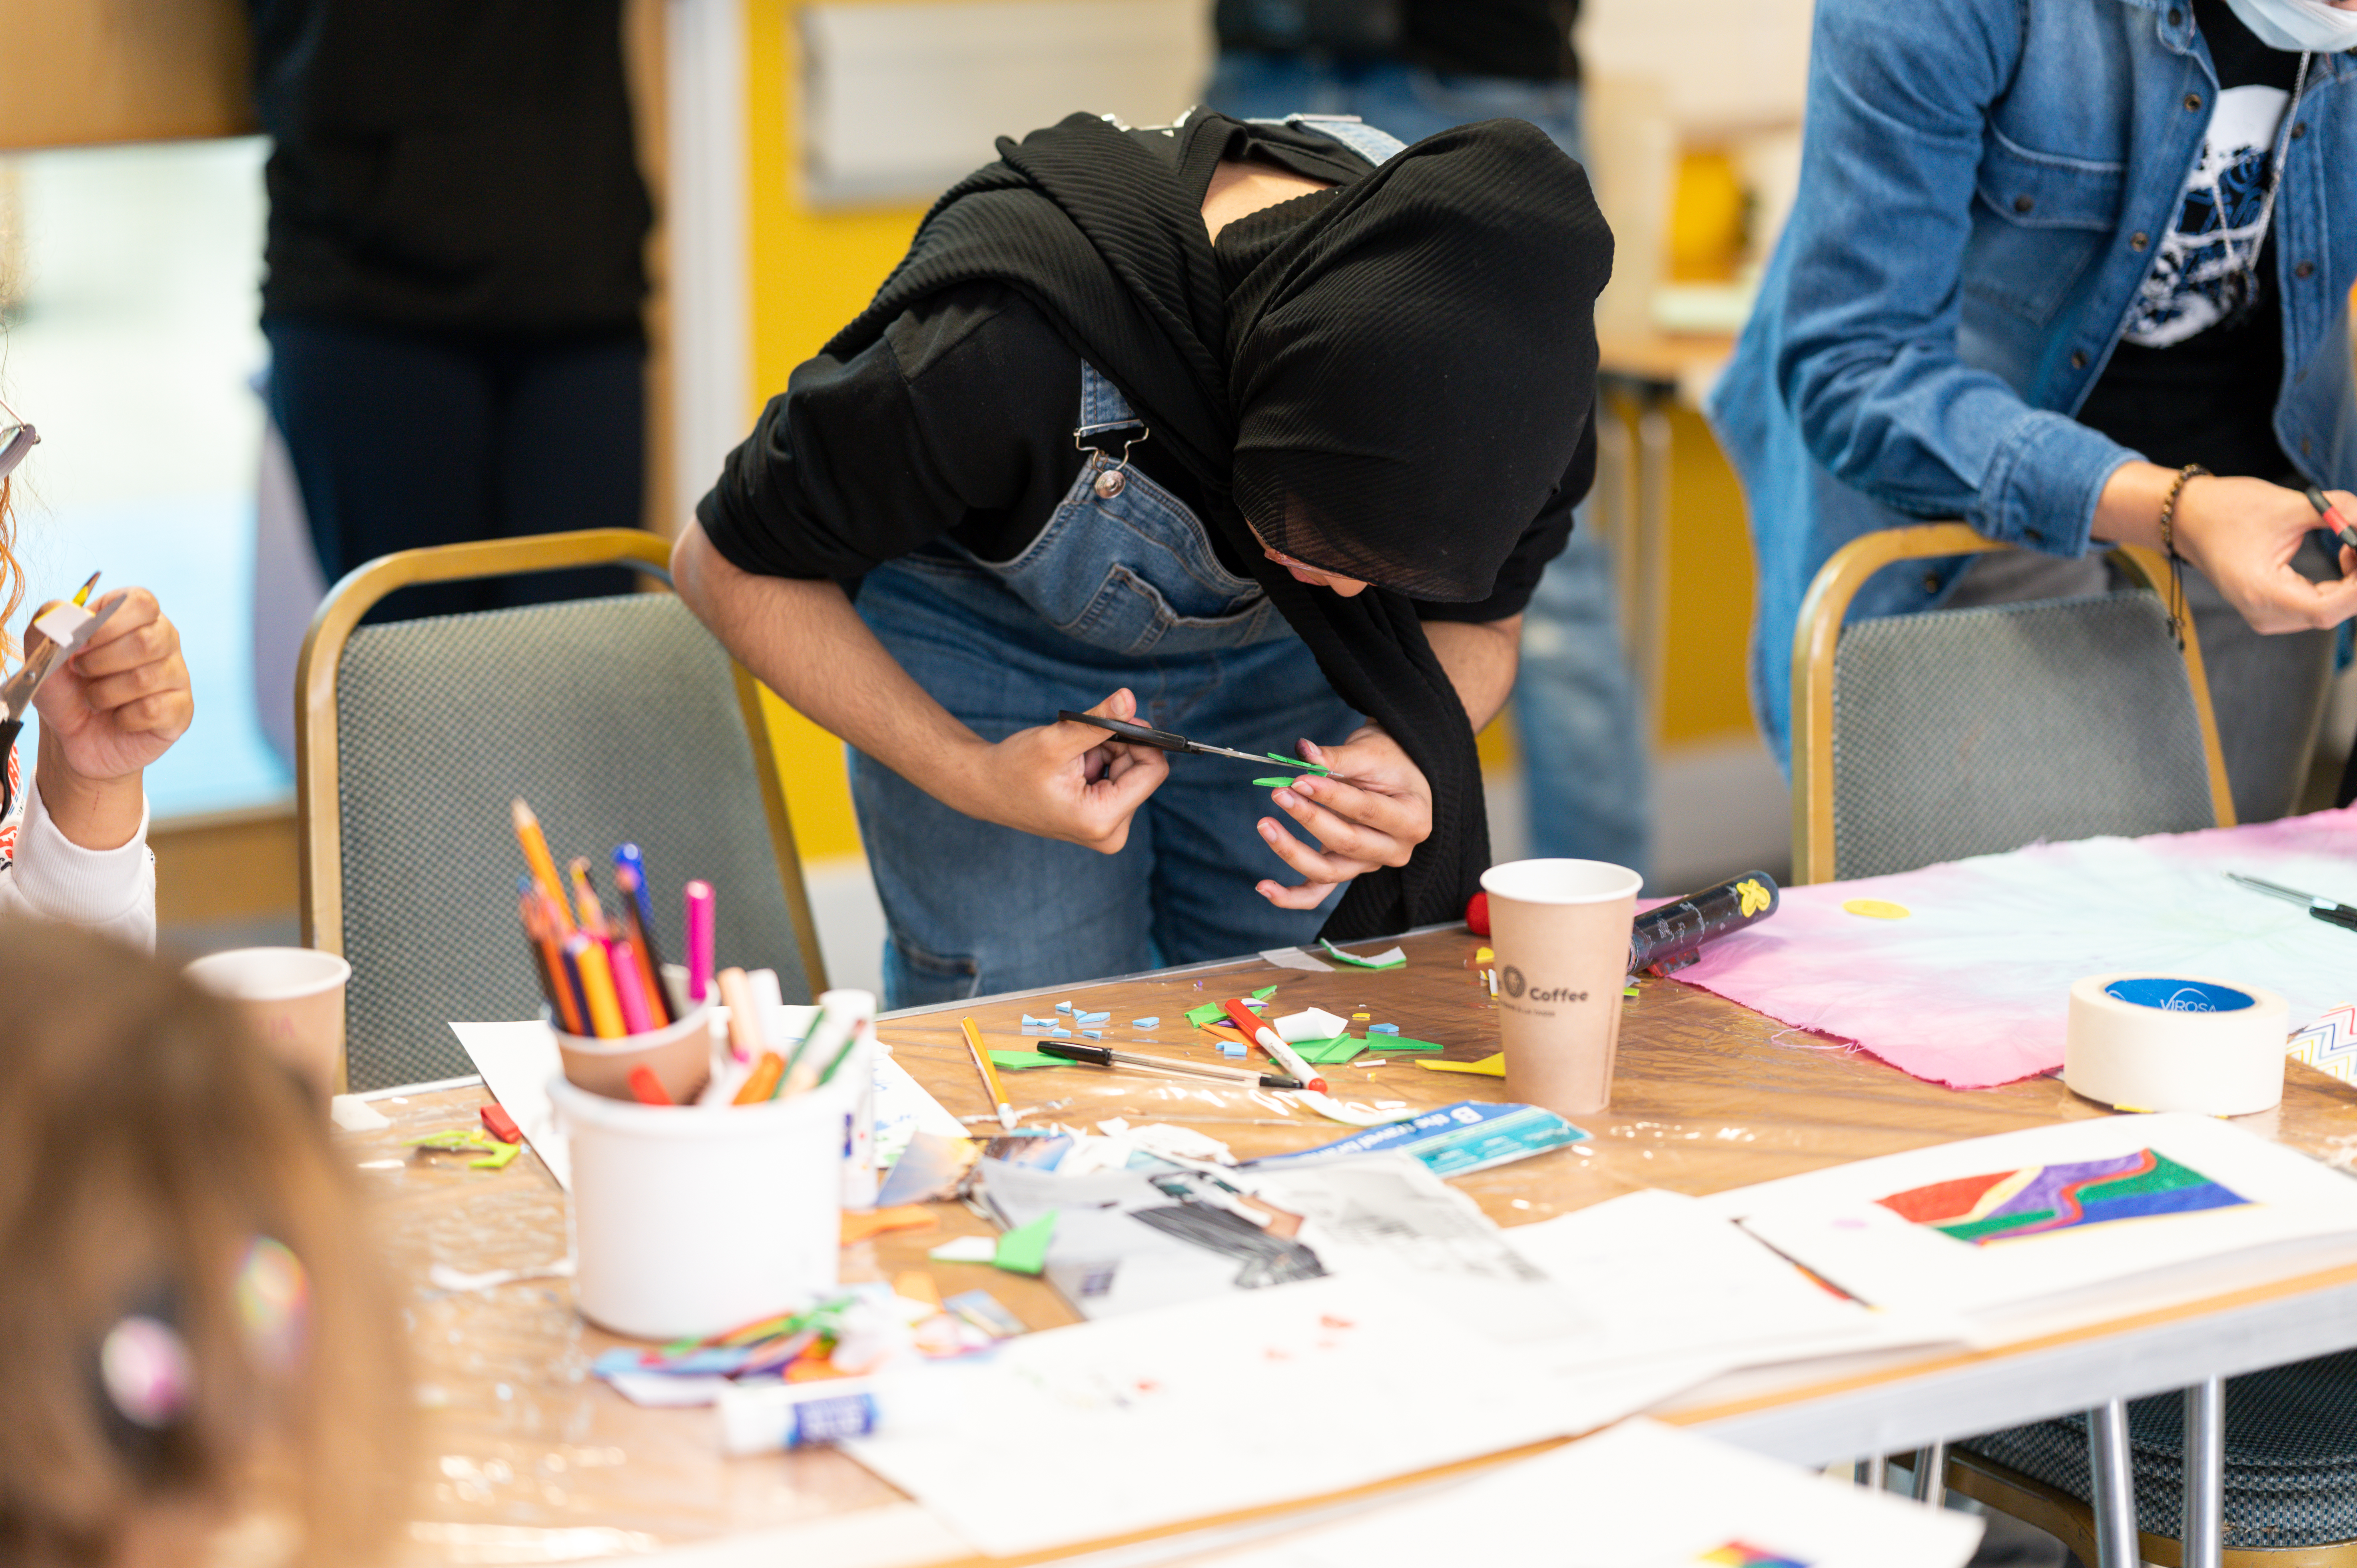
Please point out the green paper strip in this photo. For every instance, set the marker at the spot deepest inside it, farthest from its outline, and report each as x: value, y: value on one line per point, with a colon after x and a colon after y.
x: 1209, y: 1013
x: 1023, y: 1250
x: 1354, y: 961
x: 1274, y: 783
x: 1401, y: 1043
x: 1016, y: 1062
x: 1319, y: 769
x: 1328, y: 1052
x: 1265, y: 992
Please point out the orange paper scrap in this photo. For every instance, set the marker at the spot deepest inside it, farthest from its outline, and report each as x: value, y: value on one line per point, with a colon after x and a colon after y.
x: 859, y: 1226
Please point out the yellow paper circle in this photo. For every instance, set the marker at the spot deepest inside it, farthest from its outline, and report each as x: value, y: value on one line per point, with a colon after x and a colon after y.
x: 1876, y: 909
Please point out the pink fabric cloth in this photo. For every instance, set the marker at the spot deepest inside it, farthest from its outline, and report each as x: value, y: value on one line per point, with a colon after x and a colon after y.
x: 1971, y: 988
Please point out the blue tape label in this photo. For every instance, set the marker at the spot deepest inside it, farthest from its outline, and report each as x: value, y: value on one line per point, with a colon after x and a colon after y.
x: 2165, y: 995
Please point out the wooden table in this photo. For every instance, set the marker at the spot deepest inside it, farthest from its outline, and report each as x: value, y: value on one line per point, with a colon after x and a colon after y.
x: 533, y: 1460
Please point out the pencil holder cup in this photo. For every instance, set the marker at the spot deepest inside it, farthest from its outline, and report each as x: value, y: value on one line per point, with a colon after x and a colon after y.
x: 690, y: 1219
x: 860, y: 1175
x: 680, y: 1056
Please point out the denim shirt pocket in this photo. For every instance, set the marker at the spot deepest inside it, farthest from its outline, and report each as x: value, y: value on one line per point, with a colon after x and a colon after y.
x: 2038, y: 223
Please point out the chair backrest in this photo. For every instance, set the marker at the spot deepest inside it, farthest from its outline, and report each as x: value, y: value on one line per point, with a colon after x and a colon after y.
x: 1928, y: 737
x: 618, y: 719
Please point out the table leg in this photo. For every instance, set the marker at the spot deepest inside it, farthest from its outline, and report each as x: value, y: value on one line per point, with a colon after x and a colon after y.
x: 1872, y: 1472
x: 2202, y: 1513
x: 1652, y: 549
x: 1613, y: 508
x: 2115, y: 1477
x: 1932, y: 1475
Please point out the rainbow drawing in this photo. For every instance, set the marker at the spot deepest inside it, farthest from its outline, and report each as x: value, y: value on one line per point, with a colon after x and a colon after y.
x: 1737, y: 1554
x: 2005, y: 1205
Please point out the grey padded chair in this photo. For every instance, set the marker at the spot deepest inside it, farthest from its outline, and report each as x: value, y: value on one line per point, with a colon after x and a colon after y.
x: 617, y: 718
x: 1928, y: 737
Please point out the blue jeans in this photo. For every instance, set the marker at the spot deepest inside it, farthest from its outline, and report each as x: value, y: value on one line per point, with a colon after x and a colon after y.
x: 1119, y: 590
x: 1584, y: 764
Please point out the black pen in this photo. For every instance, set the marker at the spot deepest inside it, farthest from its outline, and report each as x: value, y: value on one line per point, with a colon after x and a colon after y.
x: 1105, y: 1055
x: 2324, y: 909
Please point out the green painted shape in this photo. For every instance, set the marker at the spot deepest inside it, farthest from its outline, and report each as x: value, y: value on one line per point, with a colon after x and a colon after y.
x: 1996, y: 1224
x: 1016, y: 1062
x: 1209, y: 1013
x: 1023, y: 1250
x: 2166, y: 1176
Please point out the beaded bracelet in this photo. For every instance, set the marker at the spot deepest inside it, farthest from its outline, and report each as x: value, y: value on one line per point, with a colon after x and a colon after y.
x: 2169, y: 548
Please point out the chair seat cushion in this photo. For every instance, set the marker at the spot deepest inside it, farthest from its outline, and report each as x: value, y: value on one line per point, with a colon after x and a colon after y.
x: 2291, y: 1456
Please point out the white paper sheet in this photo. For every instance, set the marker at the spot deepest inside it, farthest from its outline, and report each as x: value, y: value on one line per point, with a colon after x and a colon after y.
x: 518, y: 1059
x: 1256, y: 1398
x: 1294, y: 958
x: 1640, y: 1495
x: 1831, y: 1220
x: 1660, y: 1277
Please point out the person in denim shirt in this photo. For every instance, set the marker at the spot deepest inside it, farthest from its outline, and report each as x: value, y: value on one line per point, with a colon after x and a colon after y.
x: 2002, y: 295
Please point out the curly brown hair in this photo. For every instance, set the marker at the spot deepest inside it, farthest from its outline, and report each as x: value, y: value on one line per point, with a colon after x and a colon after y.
x: 149, y: 1149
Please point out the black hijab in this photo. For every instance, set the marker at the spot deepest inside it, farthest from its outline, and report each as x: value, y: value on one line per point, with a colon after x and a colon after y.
x: 1392, y: 392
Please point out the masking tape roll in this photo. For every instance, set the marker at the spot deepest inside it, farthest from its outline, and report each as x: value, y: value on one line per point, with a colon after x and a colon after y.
x: 2145, y: 1042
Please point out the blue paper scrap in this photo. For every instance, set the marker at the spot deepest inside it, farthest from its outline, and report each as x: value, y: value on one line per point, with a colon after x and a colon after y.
x: 1456, y: 1139
x: 1043, y: 1023
x: 1093, y: 1034
x: 1094, y: 1017
x: 1230, y: 1048
x: 1145, y: 1023
x: 1063, y: 1006
x: 1383, y: 1029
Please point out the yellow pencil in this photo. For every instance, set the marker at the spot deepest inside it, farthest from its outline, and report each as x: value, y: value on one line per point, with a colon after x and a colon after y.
x: 598, y: 985
x: 543, y: 863
x: 989, y: 1073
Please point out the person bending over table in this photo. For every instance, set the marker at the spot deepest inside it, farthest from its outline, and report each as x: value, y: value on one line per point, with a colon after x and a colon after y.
x: 1242, y: 431
x: 74, y: 844
x: 2053, y: 266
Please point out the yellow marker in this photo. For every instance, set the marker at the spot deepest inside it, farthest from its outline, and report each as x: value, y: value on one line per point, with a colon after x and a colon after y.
x: 1876, y: 910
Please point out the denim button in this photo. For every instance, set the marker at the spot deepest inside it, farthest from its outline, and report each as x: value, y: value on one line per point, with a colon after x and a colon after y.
x: 1111, y: 483
x: 2023, y: 204
x: 2078, y: 360
x: 2304, y: 269
x: 2139, y: 239
x: 2192, y: 103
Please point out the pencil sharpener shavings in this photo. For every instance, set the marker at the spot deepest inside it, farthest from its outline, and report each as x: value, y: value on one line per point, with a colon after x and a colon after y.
x: 1152, y: 1023
x: 1876, y: 909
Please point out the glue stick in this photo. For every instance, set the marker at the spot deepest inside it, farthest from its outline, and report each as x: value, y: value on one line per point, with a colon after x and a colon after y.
x: 764, y: 1417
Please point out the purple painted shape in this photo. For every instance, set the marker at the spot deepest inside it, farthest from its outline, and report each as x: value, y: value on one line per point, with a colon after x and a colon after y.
x: 2046, y: 1192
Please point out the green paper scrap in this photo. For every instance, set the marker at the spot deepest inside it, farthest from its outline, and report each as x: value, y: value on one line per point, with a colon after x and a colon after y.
x: 1354, y: 961
x: 1016, y: 1062
x: 1023, y: 1250
x: 1326, y: 1053
x: 1319, y: 769
x: 1630, y: 990
x: 1265, y: 992
x: 1401, y: 1043
x: 1273, y: 783
x: 1209, y: 1013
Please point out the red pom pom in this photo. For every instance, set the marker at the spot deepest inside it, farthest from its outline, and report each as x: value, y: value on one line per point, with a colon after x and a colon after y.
x: 1477, y: 913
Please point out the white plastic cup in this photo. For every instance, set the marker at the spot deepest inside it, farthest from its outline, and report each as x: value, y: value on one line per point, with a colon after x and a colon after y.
x: 688, y: 1220
x: 292, y: 999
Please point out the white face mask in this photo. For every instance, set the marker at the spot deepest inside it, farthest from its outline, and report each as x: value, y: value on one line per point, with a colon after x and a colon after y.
x: 2298, y: 24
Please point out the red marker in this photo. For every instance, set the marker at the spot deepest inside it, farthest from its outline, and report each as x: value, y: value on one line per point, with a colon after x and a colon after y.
x: 647, y: 1088
x: 1269, y: 1040
x: 2333, y: 517
x: 500, y: 1125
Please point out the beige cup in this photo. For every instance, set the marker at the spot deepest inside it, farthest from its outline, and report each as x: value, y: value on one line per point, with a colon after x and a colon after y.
x: 292, y: 998
x: 1561, y: 931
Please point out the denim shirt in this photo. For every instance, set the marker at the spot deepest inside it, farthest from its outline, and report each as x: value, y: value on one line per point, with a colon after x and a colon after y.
x: 1983, y: 185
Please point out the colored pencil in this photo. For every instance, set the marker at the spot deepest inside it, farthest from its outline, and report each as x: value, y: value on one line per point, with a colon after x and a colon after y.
x: 554, y: 977
x: 698, y: 896
x: 596, y: 984
x: 584, y: 896
x: 638, y: 924
x: 763, y: 1083
x: 543, y: 863
x: 629, y: 989
x: 989, y: 1073
x: 747, y: 1037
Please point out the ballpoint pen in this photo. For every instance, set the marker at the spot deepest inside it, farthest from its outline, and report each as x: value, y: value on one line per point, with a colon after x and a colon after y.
x: 2325, y: 909
x: 2332, y: 517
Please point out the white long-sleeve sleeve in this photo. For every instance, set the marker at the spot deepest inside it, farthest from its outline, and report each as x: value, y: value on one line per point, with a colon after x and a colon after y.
x: 108, y: 890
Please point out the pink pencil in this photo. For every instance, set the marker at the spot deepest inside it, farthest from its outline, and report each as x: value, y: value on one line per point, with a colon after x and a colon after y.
x: 699, y: 941
x: 629, y: 990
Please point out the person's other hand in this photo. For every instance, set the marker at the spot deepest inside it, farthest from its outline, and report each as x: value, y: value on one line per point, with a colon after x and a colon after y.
x: 1376, y: 817
x: 121, y: 702
x: 2243, y: 534
x: 1073, y: 781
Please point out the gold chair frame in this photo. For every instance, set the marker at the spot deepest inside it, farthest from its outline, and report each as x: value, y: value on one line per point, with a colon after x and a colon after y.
x: 1819, y: 633
x: 318, y: 771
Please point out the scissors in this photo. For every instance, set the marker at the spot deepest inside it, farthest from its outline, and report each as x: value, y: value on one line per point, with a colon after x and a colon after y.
x: 67, y: 634
x: 1163, y: 740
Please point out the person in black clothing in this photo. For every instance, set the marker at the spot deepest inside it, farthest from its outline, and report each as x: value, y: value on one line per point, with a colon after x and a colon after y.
x: 1259, y: 429
x: 457, y: 221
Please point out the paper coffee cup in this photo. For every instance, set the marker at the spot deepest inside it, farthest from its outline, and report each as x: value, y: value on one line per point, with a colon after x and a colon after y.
x: 292, y: 999
x: 1560, y: 928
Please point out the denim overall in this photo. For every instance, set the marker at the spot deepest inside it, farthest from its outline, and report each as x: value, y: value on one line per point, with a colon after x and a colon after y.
x: 1121, y: 588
